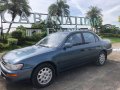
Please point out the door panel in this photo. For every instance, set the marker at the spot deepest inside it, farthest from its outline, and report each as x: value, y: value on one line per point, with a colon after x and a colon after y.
x: 69, y: 57
x: 92, y: 46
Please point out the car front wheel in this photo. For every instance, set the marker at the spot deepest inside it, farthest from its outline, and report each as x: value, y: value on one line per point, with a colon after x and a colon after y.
x: 43, y: 75
x: 101, y: 59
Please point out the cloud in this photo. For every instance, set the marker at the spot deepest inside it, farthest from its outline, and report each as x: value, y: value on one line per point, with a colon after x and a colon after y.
x: 40, y: 5
x: 110, y: 9
x: 76, y: 5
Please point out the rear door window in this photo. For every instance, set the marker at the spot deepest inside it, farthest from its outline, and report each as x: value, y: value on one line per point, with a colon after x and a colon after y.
x: 89, y: 38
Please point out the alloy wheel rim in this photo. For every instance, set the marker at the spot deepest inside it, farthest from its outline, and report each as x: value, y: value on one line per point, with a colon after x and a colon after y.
x: 102, y: 59
x: 44, y: 76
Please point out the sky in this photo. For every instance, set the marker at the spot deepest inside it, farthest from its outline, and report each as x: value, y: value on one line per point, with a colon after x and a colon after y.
x: 110, y: 9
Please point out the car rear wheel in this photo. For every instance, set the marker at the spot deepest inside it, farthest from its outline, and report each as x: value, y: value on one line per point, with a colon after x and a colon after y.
x: 101, y: 59
x: 43, y: 75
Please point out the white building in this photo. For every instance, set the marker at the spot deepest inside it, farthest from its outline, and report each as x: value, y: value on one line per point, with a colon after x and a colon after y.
x: 31, y: 31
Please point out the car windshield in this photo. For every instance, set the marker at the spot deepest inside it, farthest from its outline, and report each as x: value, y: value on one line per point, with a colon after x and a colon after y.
x: 52, y: 40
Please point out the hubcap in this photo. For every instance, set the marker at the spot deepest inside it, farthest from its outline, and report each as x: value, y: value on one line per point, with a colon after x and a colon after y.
x: 102, y: 59
x: 44, y: 76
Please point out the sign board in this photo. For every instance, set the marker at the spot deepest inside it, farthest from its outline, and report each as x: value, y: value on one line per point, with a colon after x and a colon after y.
x: 38, y: 17
x: 2, y: 1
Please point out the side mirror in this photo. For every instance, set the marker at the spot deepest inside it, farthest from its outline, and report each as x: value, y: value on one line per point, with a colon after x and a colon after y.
x: 67, y: 45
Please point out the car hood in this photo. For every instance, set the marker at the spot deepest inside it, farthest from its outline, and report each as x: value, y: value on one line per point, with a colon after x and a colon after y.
x: 20, y: 54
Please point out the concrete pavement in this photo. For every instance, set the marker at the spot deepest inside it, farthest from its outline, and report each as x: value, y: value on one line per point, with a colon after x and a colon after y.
x: 88, y: 77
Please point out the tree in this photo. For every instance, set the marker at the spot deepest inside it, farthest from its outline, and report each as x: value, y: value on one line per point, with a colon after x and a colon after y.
x: 2, y: 8
x: 95, y: 16
x: 53, y: 24
x: 40, y: 25
x: 60, y: 8
x: 21, y: 28
x: 15, y: 7
x: 3, y: 4
x: 108, y: 28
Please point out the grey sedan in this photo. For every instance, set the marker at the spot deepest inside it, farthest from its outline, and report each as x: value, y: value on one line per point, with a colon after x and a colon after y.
x: 53, y: 54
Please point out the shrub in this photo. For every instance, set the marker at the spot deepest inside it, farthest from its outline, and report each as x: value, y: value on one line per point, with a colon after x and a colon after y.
x: 17, y: 34
x: 27, y: 38
x: 43, y: 34
x: 6, y: 47
x: 110, y: 35
x: 12, y: 41
x: 28, y: 43
x: 39, y: 36
x: 35, y: 37
x: 1, y: 46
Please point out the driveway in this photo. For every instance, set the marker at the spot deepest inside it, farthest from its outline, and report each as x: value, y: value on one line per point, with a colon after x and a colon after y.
x: 88, y: 77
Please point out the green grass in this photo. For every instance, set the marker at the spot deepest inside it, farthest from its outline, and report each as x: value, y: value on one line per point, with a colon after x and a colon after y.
x: 113, y: 39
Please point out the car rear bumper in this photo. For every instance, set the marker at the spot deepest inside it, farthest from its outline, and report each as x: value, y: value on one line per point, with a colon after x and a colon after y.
x: 20, y: 74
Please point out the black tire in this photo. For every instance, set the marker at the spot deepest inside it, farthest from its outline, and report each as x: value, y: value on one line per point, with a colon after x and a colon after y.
x: 34, y: 77
x: 99, y: 61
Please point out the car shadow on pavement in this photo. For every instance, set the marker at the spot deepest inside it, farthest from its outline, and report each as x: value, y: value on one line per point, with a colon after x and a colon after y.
x: 87, y: 77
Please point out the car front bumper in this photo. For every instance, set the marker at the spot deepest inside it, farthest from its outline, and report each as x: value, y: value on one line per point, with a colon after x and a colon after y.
x: 15, y: 75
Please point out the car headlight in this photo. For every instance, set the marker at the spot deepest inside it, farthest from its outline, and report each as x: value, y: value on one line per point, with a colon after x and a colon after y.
x: 14, y: 67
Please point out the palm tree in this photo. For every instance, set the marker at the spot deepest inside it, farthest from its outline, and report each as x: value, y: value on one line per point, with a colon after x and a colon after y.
x: 15, y: 7
x: 60, y: 8
x: 95, y: 16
